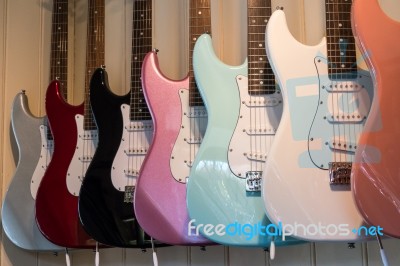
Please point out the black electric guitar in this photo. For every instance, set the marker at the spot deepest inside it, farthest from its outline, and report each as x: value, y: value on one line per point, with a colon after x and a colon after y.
x: 106, y: 209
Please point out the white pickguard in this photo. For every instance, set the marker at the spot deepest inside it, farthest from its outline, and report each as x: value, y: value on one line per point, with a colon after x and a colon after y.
x: 193, y: 127
x: 86, y: 146
x: 255, y: 130
x: 136, y: 137
x: 46, y: 152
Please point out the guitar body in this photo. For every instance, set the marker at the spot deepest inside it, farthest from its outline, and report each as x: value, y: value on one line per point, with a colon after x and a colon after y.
x: 160, y: 199
x: 102, y: 210
x: 375, y: 175
x: 296, y: 188
x: 56, y: 208
x: 18, y: 211
x: 215, y: 195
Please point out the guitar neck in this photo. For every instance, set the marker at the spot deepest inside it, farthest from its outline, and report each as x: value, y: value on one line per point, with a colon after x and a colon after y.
x: 340, y: 41
x: 59, y: 49
x: 199, y: 23
x: 141, y: 45
x: 94, y: 53
x: 261, y: 77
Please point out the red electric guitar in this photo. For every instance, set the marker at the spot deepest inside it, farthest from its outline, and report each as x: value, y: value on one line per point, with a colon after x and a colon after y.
x: 75, y: 140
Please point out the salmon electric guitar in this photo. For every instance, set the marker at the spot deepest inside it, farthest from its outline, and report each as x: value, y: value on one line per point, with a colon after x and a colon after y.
x: 376, y: 171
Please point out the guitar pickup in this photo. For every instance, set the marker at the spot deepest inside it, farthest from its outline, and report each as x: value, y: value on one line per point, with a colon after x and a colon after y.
x: 131, y: 172
x: 89, y: 135
x: 253, y: 181
x: 267, y: 102
x: 137, y: 151
x: 140, y: 126
x: 193, y: 140
x: 339, y: 173
x: 254, y: 156
x: 343, y: 146
x: 262, y: 131
x: 85, y: 159
x: 345, y: 118
x: 197, y: 112
x: 128, y: 195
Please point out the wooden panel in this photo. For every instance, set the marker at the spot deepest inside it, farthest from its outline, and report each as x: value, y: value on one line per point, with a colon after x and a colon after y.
x: 391, y: 247
x: 301, y: 254
x: 327, y: 254
x: 247, y: 256
x: 215, y: 255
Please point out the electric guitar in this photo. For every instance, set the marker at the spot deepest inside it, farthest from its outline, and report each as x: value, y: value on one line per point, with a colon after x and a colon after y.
x: 244, y: 109
x: 180, y: 120
x: 105, y: 199
x: 35, y: 145
x: 326, y: 100
x: 75, y: 139
x: 375, y: 173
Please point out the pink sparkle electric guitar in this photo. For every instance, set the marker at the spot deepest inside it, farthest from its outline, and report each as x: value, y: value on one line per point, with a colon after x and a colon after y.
x: 376, y: 171
x: 180, y: 120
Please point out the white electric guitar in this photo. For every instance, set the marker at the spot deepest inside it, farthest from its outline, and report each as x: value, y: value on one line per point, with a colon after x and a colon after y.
x: 326, y: 100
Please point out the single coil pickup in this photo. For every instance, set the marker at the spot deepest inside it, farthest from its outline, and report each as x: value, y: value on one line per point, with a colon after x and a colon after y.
x: 128, y: 195
x: 256, y: 156
x: 49, y: 145
x: 85, y: 159
x: 344, y: 146
x: 131, y: 172
x: 89, y: 135
x: 193, y: 140
x: 339, y: 173
x: 138, y: 151
x: 343, y: 86
x: 260, y: 131
x: 262, y: 102
x: 345, y: 118
x: 199, y: 112
x: 253, y: 181
x: 139, y: 126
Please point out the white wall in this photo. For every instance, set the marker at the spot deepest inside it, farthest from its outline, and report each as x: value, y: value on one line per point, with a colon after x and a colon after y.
x: 24, y: 64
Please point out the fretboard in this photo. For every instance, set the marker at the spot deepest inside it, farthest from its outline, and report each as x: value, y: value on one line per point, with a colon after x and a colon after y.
x: 261, y: 79
x: 199, y: 23
x: 141, y: 45
x: 94, y: 53
x: 59, y: 44
x: 59, y: 48
x: 341, y: 44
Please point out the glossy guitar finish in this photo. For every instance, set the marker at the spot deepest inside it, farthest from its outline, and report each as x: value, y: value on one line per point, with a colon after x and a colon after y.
x: 124, y: 132
x: 157, y: 190
x: 74, y: 144
x: 56, y: 208
x: 35, y: 145
x: 102, y: 209
x: 18, y: 211
x: 180, y: 120
x: 296, y: 187
x: 375, y: 175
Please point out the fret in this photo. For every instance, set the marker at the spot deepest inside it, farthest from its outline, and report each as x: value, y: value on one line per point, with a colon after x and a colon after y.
x: 261, y: 79
x: 94, y: 54
x: 141, y: 45
x: 199, y: 23
x: 59, y: 49
x: 340, y: 41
